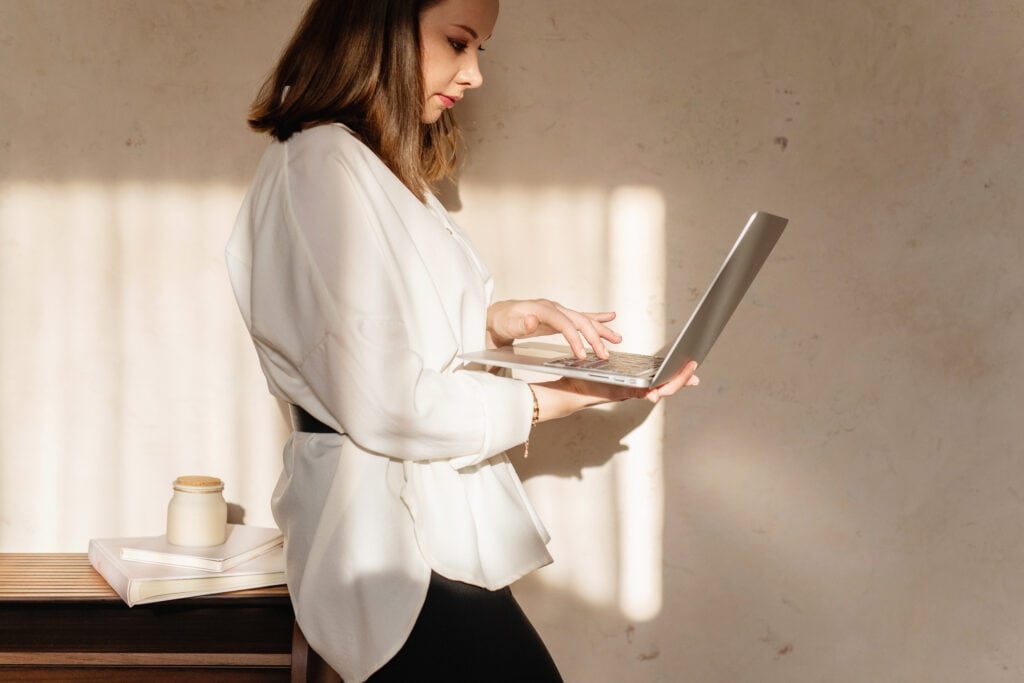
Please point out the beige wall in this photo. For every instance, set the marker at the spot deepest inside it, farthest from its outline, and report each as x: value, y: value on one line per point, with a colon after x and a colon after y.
x: 841, y: 500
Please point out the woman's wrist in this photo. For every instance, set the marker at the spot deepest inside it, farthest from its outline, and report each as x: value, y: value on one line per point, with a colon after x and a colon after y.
x: 493, y: 339
x: 563, y: 397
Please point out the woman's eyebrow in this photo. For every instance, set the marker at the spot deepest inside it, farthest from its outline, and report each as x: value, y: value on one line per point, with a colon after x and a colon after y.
x: 468, y: 30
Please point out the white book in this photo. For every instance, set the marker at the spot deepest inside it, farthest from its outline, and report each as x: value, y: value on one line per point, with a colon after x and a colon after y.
x: 139, y: 583
x: 243, y: 544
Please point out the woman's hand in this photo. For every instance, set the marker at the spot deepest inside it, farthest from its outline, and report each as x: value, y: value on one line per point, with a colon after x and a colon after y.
x: 511, y: 320
x: 685, y: 378
x: 567, y: 395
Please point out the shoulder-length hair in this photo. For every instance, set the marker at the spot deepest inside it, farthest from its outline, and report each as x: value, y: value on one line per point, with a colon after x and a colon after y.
x: 357, y: 62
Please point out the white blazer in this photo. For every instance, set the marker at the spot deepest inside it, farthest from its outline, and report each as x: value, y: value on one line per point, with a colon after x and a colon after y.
x: 358, y: 298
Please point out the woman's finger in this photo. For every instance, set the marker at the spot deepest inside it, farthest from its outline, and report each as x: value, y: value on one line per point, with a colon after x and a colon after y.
x: 555, y: 318
x: 568, y: 328
x: 591, y: 326
x: 685, y: 378
x: 512, y: 320
x: 583, y: 326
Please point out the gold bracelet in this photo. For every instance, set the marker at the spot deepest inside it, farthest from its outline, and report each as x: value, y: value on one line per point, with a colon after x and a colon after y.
x: 533, y: 421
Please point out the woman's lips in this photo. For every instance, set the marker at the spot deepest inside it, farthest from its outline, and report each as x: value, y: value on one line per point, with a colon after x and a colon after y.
x: 448, y: 102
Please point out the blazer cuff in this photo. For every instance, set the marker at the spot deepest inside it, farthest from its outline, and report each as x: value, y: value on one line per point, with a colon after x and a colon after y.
x: 508, y: 411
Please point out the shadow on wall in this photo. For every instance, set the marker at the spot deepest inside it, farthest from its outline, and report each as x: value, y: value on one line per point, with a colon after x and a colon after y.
x: 567, y: 447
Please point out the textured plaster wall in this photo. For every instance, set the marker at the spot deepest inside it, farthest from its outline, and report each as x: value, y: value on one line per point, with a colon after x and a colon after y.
x: 843, y: 495
x: 841, y: 500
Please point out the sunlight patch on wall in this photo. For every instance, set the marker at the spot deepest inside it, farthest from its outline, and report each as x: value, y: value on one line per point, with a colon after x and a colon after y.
x: 123, y: 362
x: 593, y: 249
x: 636, y: 267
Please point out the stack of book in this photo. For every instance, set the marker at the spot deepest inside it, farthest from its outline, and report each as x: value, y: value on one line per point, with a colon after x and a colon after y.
x: 149, y: 569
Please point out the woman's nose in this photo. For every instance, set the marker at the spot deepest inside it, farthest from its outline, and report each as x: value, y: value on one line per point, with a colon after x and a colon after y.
x: 469, y: 75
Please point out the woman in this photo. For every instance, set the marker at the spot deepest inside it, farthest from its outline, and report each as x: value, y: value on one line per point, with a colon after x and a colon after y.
x: 404, y: 520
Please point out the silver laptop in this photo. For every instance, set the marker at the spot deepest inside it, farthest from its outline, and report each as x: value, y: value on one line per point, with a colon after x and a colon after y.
x: 693, y: 342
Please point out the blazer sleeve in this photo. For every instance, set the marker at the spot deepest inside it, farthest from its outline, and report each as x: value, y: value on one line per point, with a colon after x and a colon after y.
x: 339, y: 313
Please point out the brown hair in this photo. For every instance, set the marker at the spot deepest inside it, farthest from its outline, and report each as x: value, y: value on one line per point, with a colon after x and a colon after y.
x: 357, y: 62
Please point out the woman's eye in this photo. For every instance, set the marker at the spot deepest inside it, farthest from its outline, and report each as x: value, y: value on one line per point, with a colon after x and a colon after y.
x: 457, y: 45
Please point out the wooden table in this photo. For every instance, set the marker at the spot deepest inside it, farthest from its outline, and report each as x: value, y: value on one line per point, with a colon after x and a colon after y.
x: 59, y: 620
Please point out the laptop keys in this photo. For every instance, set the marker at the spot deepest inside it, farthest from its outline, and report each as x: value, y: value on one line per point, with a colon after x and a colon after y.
x: 619, y: 363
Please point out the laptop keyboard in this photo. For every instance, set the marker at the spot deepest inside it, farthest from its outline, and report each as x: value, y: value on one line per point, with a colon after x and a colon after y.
x: 632, y: 364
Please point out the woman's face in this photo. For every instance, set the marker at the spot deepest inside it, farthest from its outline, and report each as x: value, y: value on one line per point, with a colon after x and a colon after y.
x: 451, y: 33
